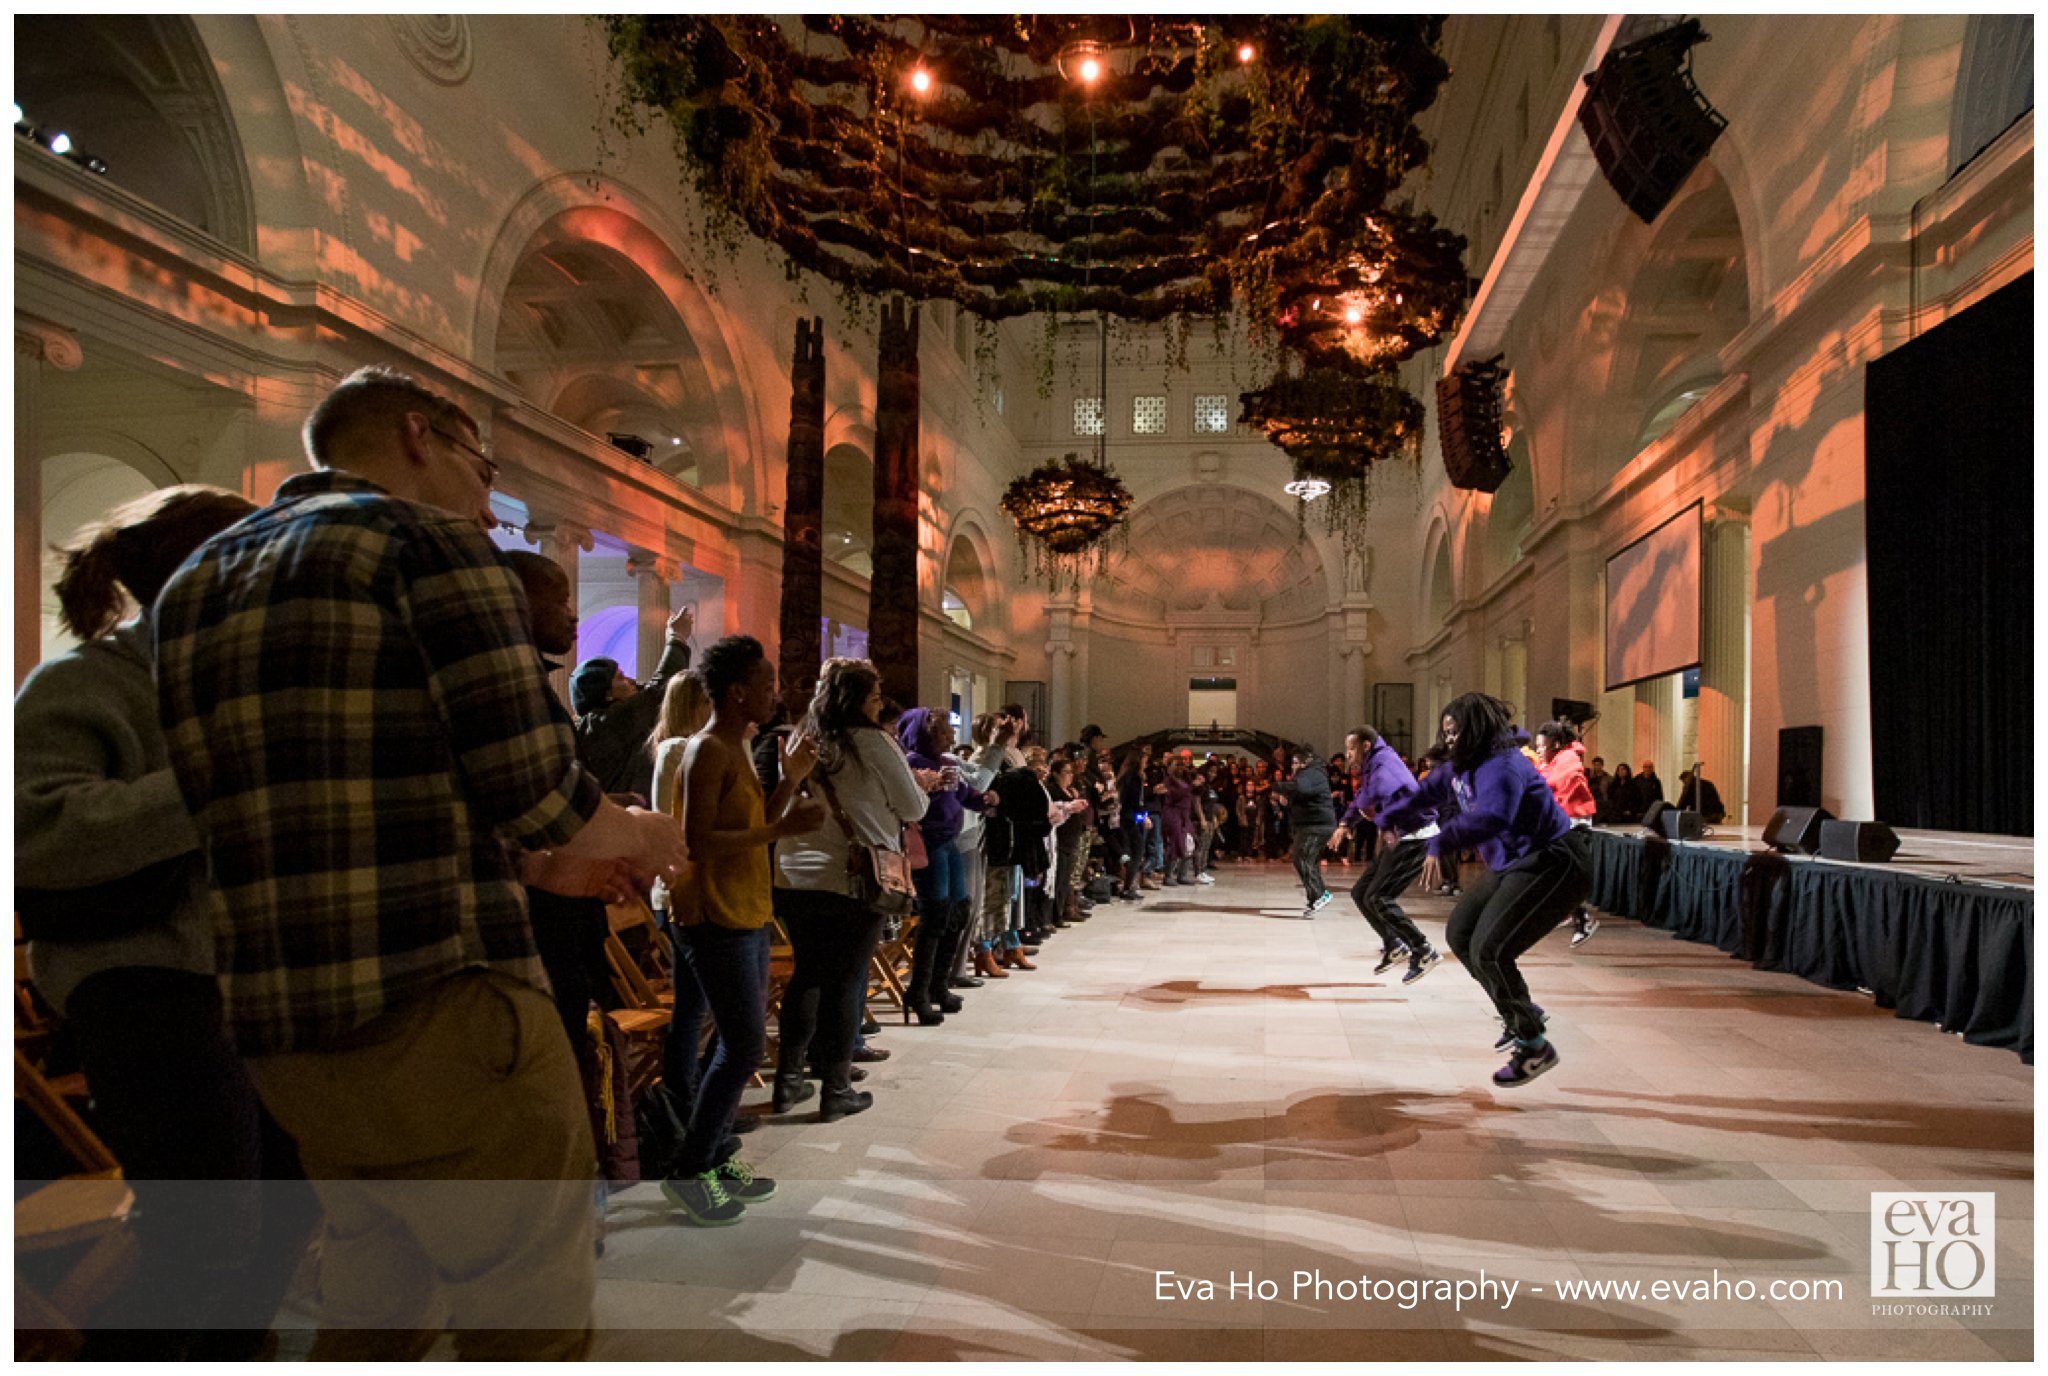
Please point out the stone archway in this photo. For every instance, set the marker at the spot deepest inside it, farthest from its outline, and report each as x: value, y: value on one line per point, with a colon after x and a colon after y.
x: 606, y: 253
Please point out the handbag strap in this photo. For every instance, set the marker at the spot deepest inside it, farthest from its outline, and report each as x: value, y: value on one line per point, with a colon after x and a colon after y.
x: 824, y: 779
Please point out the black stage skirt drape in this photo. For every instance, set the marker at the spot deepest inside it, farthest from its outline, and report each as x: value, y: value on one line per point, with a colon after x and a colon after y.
x: 1958, y: 955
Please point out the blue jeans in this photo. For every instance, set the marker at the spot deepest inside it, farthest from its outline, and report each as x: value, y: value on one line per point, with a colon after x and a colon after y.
x: 941, y: 883
x: 729, y: 970
x: 1155, y: 849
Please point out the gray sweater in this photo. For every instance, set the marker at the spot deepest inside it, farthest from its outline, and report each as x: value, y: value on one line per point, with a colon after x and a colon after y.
x: 95, y: 799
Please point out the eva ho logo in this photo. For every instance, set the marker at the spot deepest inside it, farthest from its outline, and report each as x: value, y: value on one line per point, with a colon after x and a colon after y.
x: 1933, y: 1246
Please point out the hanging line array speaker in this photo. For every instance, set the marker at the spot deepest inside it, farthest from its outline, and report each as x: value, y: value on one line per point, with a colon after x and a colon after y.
x: 1648, y: 123
x: 1469, y: 425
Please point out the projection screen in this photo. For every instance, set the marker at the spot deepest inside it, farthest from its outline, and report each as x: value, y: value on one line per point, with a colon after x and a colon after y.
x: 1653, y: 602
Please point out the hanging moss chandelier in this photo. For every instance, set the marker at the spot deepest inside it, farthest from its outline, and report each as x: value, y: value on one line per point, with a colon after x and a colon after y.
x: 1338, y: 428
x: 1147, y: 167
x: 1065, y: 511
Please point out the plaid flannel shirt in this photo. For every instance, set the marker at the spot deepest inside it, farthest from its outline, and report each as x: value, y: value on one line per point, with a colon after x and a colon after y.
x: 358, y: 722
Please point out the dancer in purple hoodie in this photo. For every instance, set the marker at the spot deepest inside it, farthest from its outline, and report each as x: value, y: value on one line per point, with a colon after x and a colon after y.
x: 1383, y: 784
x: 1538, y: 867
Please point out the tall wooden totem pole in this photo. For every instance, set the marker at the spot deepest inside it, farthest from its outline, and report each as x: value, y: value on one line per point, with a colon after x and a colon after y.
x: 803, y: 518
x: 892, y: 590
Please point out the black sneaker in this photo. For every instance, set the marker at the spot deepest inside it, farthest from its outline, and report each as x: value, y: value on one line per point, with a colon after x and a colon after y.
x: 741, y: 1183
x: 703, y: 1200
x: 1583, y: 927
x: 1390, y: 958
x: 1421, y: 965
x: 1526, y: 1064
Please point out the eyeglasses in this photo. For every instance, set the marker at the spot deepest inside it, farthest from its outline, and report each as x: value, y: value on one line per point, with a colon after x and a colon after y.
x: 490, y: 464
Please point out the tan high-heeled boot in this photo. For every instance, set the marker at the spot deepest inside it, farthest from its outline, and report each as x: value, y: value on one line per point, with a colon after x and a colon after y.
x: 1015, y: 958
x: 985, y: 965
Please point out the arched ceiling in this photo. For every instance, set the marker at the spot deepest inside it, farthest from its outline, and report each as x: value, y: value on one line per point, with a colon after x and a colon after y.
x: 1211, y: 547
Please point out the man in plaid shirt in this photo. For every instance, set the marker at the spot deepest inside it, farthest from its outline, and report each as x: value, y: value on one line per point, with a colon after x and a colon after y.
x: 358, y: 721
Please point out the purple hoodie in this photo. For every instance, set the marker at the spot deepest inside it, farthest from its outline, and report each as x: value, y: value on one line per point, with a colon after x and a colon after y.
x: 1384, y: 784
x: 941, y: 820
x: 1505, y: 809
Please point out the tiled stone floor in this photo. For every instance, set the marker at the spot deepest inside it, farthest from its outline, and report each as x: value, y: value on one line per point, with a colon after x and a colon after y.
x: 1207, y: 1085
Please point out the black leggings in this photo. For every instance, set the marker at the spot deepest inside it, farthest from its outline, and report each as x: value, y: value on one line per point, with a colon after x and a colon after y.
x: 1504, y: 913
x: 834, y: 938
x: 1378, y: 888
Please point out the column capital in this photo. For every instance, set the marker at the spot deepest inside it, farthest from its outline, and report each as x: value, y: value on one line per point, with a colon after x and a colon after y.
x: 542, y: 529
x: 45, y: 341
x: 647, y: 564
x: 1727, y: 511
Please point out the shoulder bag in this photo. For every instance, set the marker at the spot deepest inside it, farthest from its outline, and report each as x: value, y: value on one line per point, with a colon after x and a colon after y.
x: 875, y: 875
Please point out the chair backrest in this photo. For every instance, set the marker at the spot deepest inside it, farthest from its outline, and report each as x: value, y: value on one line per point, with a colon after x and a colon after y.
x: 79, y: 1141
x: 629, y: 981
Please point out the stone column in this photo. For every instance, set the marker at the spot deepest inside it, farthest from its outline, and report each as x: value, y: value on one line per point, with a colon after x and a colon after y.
x: 803, y: 517
x: 37, y: 344
x: 1061, y: 723
x: 1724, y: 668
x: 1656, y: 733
x: 893, y: 610
x: 563, y: 542
x: 653, y: 575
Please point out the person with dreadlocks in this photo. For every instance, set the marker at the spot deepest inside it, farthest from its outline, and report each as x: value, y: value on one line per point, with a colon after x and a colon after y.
x: 1538, y: 866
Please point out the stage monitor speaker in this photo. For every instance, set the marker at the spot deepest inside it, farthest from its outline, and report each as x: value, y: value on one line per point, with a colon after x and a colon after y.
x: 1796, y: 830
x: 1469, y: 425
x: 1866, y: 843
x: 1572, y: 710
x: 1653, y: 820
x: 1679, y: 825
x: 1647, y: 122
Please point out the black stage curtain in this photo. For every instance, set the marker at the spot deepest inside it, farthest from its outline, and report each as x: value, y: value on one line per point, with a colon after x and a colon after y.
x: 1958, y: 955
x: 1949, y: 529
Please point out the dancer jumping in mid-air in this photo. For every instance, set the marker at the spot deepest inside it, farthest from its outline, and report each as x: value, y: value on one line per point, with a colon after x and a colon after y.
x: 1537, y: 864
x: 1383, y: 782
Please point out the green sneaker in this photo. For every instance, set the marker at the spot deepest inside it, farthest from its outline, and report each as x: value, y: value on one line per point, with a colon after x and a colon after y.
x: 741, y: 1183
x: 703, y: 1200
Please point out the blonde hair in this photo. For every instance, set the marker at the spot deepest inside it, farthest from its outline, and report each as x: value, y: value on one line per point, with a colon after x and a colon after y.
x: 685, y: 707
x: 135, y: 549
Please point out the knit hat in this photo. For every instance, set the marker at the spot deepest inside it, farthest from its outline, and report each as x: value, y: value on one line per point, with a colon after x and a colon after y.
x: 590, y: 687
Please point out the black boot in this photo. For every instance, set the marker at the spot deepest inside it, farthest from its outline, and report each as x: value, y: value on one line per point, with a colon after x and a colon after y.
x: 790, y: 1090
x: 924, y: 969
x: 952, y: 939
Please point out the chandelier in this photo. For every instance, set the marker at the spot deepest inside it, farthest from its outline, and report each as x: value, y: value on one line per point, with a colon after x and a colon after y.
x: 1065, y: 511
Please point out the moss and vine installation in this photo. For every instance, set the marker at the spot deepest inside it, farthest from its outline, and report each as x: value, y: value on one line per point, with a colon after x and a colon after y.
x: 1149, y: 168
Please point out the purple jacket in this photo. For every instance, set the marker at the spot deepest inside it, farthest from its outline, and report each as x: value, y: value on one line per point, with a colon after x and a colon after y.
x: 941, y: 820
x: 1505, y: 810
x: 1384, y: 784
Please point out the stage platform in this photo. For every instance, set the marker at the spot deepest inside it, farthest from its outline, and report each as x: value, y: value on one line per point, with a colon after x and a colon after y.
x: 1943, y: 933
x: 2003, y: 860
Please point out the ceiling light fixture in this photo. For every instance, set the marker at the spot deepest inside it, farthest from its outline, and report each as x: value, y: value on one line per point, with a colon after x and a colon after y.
x: 1307, y: 489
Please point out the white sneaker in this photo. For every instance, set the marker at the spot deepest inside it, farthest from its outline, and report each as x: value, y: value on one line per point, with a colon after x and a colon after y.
x: 1205, y: 879
x: 1323, y: 902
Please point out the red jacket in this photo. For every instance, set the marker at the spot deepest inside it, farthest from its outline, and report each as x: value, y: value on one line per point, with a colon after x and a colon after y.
x: 1565, y: 772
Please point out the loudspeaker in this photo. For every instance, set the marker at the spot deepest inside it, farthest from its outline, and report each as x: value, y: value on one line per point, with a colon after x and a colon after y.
x: 1572, y: 710
x: 1867, y: 843
x: 1469, y: 424
x: 1796, y: 830
x: 1681, y: 826
x: 1648, y: 124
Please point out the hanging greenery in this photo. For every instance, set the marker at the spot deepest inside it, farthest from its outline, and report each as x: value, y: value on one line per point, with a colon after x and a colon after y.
x: 1065, y: 511
x: 1338, y: 428
x: 1155, y: 168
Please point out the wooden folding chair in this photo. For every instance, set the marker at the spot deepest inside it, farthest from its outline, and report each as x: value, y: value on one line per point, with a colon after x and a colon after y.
x: 88, y: 1210
x: 632, y: 926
